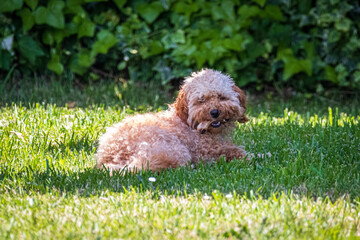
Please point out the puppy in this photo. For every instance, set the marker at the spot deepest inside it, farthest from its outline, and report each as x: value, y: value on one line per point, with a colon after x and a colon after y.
x: 196, y: 128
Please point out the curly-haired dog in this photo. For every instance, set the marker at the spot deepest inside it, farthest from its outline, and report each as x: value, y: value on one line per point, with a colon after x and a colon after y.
x: 195, y: 128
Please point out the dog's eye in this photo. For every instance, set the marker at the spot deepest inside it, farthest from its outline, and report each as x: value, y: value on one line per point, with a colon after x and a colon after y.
x: 222, y: 98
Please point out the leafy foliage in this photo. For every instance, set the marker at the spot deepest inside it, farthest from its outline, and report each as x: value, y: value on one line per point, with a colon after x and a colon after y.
x: 304, y: 44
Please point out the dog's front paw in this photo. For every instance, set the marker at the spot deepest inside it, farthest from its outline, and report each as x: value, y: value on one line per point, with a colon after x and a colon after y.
x: 232, y: 153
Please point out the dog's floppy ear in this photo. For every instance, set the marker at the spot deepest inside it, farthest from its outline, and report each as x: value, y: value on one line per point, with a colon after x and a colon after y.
x: 181, y: 106
x: 242, y: 99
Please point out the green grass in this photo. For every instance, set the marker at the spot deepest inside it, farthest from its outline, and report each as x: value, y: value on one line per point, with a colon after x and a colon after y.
x: 135, y: 215
x: 308, y: 188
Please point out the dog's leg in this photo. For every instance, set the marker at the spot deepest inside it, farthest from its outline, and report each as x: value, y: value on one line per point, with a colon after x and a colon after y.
x: 219, y: 150
x: 234, y: 152
x: 162, y: 154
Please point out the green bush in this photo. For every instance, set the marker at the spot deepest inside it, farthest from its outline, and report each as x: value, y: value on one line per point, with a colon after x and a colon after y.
x: 302, y: 43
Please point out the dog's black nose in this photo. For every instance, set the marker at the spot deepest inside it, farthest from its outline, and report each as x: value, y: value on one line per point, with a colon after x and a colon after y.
x: 214, y: 113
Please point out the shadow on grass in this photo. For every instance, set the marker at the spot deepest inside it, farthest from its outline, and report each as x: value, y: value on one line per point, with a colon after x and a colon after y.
x: 151, y: 96
x: 91, y: 181
x: 85, y: 143
x: 105, y: 93
x: 257, y: 178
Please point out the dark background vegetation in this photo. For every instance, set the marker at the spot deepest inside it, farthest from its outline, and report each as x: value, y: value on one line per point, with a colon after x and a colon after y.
x: 309, y: 46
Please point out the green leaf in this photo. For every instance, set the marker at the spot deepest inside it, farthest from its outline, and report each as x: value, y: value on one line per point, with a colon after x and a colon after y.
x: 73, y: 3
x: 86, y: 28
x: 345, y: 7
x: 280, y: 33
x: 200, y: 58
x: 326, y: 18
x: 334, y: 36
x: 255, y: 50
x: 105, y: 40
x: 164, y: 71
x: 27, y: 19
x: 274, y: 12
x: 179, y: 21
x: 54, y: 64
x: 306, y: 66
x: 284, y: 54
x: 343, y: 24
x: 171, y: 40
x: 342, y: 74
x: 50, y: 36
x: 167, y: 41
x: 10, y: 5
x: 310, y: 50
x: 260, y: 2
x: 246, y: 11
x: 293, y: 66
x: 185, y: 8
x: 47, y: 37
x: 52, y: 15
x: 187, y: 49
x: 121, y: 65
x: 86, y: 58
x: 150, y: 12
x: 120, y: 3
x: 354, y: 44
x: 330, y: 74
x: 75, y: 66
x: 225, y: 11
x: 304, y: 7
x: 228, y: 7
x: 41, y: 15
x: 178, y: 36
x: 356, y: 77
x: 233, y: 43
x: 5, y: 59
x: 218, y: 12
x: 58, y: 35
x: 32, y: 3
x: 93, y: 76
x: 74, y: 6
x: 214, y: 51
x: 30, y: 49
x: 155, y: 48
x: 70, y: 29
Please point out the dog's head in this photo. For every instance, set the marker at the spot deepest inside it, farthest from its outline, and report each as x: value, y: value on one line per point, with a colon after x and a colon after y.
x: 209, y: 101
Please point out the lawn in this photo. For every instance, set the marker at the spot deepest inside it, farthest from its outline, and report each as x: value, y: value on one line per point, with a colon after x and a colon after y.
x: 49, y: 189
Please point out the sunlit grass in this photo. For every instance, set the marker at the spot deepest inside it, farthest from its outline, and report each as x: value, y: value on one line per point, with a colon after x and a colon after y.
x: 140, y: 215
